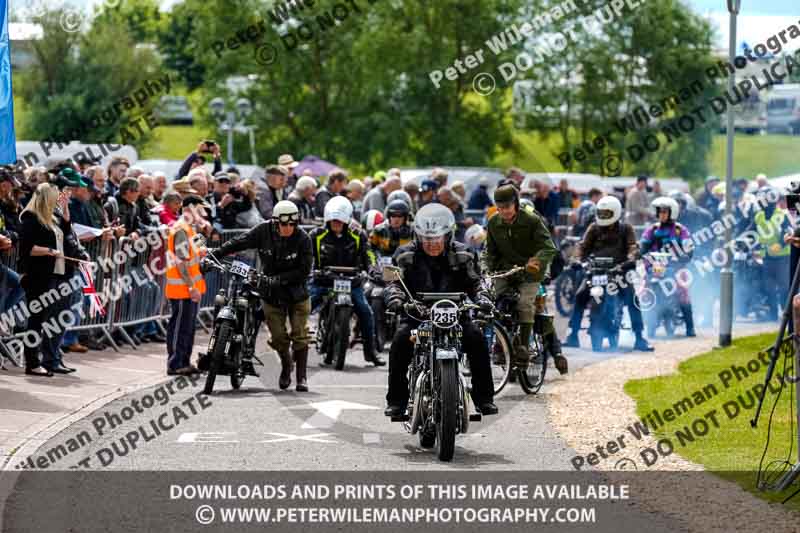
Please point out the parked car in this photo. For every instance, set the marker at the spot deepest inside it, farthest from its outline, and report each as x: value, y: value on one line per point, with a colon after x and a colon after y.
x: 783, y: 109
x: 174, y: 110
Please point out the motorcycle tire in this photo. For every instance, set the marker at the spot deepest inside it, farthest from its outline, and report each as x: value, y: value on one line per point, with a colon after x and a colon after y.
x: 341, y: 336
x: 532, y: 379
x: 565, y: 293
x: 449, y: 399
x: 221, y: 341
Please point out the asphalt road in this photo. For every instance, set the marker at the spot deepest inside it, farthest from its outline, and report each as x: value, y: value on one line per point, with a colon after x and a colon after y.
x: 338, y: 425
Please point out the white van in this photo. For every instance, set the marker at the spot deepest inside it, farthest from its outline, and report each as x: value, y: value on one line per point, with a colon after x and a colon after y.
x: 783, y: 109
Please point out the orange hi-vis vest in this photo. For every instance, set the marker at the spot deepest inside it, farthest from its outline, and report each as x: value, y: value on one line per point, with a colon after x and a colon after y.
x: 176, y: 287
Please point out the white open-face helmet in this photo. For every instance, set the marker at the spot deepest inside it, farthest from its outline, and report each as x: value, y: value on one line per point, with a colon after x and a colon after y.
x: 285, y: 211
x: 665, y: 202
x: 338, y: 208
x: 608, y: 210
x: 433, y: 221
x: 475, y: 235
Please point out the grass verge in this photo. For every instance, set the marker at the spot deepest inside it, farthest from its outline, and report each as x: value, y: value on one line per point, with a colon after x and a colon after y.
x: 729, y: 447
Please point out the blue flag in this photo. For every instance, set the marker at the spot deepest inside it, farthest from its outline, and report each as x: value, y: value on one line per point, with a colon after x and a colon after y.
x: 8, y: 138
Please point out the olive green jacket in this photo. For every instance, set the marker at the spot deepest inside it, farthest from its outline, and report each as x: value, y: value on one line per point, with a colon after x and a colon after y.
x: 511, y: 245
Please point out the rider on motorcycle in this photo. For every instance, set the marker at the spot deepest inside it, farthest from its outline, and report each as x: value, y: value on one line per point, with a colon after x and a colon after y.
x: 608, y: 236
x: 394, y: 232
x: 285, y: 253
x: 519, y: 237
x: 338, y: 244
x: 435, y: 262
x: 669, y: 235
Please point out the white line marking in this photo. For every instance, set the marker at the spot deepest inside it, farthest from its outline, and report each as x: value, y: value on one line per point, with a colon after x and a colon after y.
x: 372, y: 438
x: 53, y: 394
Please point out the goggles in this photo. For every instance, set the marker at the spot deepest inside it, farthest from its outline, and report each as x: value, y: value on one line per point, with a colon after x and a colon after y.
x: 605, y: 214
x: 285, y: 220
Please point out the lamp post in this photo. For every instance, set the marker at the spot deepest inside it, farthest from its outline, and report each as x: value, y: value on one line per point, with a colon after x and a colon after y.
x: 230, y: 120
x: 726, y: 277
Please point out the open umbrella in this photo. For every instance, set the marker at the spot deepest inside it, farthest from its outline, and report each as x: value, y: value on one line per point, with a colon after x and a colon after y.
x: 318, y: 167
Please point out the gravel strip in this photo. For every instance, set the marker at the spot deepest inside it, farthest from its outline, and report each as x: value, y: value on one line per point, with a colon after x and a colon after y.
x: 591, y: 409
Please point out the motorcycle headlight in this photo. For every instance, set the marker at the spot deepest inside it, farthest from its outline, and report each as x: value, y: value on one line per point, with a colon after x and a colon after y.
x: 596, y: 292
x: 242, y: 303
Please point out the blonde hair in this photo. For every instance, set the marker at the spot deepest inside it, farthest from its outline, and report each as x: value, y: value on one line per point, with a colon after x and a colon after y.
x: 43, y: 203
x: 248, y: 187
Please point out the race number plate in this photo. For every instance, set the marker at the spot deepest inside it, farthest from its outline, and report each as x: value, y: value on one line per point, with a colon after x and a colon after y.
x: 384, y: 260
x: 599, y: 281
x: 441, y: 353
x: 444, y: 314
x: 341, y: 285
x: 240, y: 269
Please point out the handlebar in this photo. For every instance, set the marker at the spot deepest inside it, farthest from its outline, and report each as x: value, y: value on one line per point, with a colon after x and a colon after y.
x: 506, y: 273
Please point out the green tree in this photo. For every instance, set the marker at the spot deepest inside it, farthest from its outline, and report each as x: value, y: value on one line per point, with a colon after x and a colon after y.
x: 638, y: 59
x: 78, y: 76
x: 142, y: 18
x: 359, y: 92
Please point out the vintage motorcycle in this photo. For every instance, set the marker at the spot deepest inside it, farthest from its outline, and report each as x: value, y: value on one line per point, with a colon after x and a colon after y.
x: 238, y: 315
x: 660, y: 300
x: 439, y: 406
x: 605, y: 311
x: 333, y: 330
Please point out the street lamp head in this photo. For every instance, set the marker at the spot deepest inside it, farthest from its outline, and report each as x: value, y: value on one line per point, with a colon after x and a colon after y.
x: 243, y: 109
x: 217, y: 106
x: 733, y: 6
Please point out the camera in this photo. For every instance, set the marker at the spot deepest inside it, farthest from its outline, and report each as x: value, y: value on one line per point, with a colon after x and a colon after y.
x: 793, y: 196
x: 236, y: 192
x: 208, y: 145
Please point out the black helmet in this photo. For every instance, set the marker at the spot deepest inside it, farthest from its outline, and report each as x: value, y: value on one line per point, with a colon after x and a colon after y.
x: 506, y: 194
x: 397, y: 207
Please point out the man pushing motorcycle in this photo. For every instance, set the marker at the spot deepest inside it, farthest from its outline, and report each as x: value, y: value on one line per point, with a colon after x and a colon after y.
x: 435, y: 262
x: 285, y: 252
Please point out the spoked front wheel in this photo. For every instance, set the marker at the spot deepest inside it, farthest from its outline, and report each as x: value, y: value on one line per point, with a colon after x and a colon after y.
x: 499, y: 345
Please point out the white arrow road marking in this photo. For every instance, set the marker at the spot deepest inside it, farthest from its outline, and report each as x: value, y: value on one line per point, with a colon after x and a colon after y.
x: 286, y: 437
x: 328, y: 412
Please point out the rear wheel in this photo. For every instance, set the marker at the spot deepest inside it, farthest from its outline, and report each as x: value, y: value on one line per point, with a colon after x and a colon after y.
x: 222, y: 339
x: 447, y: 425
x: 532, y: 379
x: 341, y: 335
